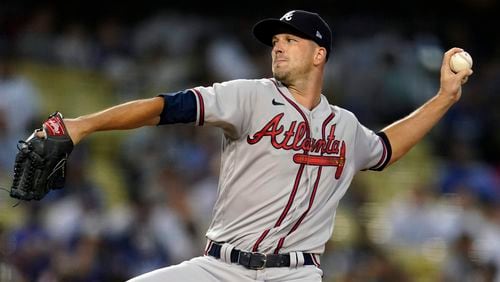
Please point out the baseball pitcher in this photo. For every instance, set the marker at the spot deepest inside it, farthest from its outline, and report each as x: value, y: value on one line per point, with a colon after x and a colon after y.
x: 288, y: 154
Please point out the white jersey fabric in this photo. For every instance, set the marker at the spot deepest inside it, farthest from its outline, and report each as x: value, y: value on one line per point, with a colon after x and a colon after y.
x: 284, y: 167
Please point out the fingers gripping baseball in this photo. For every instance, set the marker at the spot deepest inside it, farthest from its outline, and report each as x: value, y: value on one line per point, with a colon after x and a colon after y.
x: 451, y: 82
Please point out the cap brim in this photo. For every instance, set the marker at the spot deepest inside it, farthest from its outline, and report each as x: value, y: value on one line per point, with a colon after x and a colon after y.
x: 266, y: 29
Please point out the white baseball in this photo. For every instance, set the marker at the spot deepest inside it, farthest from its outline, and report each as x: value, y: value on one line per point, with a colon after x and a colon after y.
x: 460, y: 61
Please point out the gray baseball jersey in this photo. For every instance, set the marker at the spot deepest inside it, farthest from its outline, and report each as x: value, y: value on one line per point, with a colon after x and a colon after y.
x: 284, y: 167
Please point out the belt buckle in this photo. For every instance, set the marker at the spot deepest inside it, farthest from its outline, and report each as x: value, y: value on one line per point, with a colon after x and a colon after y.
x: 253, y: 260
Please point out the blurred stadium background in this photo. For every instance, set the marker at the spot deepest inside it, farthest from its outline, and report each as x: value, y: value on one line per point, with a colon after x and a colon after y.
x: 142, y: 199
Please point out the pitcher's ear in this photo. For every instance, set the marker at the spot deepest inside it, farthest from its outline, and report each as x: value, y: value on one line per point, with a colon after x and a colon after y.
x: 320, y: 55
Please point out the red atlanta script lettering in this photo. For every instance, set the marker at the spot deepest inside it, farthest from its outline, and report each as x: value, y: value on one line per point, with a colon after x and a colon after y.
x: 295, y: 137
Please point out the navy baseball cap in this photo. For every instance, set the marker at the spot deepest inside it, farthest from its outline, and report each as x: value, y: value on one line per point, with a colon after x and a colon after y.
x: 298, y: 22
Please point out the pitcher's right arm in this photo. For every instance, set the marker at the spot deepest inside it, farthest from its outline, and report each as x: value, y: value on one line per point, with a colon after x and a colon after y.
x: 129, y: 115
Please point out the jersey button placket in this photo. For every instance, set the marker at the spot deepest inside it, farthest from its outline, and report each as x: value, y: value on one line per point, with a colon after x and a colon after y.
x: 310, y: 118
x: 310, y: 169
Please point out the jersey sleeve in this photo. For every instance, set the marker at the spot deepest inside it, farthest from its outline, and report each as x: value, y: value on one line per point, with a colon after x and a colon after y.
x: 372, y: 150
x: 227, y: 105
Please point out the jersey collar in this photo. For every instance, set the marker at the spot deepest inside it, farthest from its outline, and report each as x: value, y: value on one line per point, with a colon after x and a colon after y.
x: 322, y: 108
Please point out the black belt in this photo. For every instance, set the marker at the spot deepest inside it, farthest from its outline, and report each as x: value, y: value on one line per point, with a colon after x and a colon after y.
x: 253, y: 260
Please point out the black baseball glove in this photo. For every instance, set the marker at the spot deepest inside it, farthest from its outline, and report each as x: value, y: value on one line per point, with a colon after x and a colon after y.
x: 41, y: 161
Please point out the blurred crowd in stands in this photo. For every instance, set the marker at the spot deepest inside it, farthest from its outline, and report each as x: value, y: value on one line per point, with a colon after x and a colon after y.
x: 141, y: 200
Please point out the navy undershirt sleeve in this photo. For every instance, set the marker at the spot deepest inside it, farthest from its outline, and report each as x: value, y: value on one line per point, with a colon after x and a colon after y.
x: 179, y: 107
